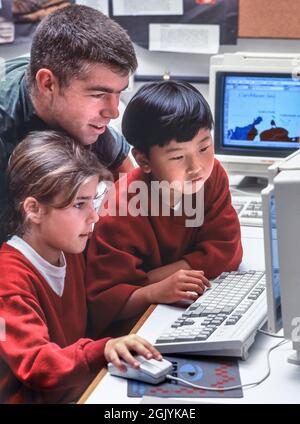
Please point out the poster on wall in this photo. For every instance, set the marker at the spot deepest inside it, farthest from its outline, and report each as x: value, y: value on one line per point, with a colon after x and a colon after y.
x: 146, y: 7
x: 184, y: 38
x: 223, y: 13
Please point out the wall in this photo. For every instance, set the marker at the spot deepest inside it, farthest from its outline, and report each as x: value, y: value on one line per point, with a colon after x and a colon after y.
x: 156, y: 63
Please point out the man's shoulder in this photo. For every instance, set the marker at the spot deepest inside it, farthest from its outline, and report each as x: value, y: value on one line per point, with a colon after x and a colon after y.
x: 10, y: 86
x: 14, y: 72
x: 16, y: 65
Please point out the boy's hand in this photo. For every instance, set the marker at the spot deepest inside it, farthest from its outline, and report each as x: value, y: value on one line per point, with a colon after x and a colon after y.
x: 120, y: 348
x: 182, y: 285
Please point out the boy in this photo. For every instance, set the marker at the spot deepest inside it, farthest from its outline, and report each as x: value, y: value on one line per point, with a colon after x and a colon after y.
x: 134, y: 259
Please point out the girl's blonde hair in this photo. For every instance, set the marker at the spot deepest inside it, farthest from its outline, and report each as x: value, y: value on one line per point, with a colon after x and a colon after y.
x: 44, y: 165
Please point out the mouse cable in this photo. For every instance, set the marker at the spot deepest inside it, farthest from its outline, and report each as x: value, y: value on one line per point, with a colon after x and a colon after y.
x: 270, y: 334
x: 217, y: 389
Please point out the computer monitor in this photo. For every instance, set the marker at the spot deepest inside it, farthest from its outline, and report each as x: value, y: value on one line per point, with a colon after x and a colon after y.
x: 281, y: 211
x: 255, y: 101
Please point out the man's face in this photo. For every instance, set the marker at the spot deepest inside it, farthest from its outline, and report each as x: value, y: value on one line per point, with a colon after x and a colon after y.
x: 85, y: 107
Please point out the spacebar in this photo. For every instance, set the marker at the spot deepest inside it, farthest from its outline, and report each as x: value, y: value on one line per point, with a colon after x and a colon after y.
x: 200, y: 312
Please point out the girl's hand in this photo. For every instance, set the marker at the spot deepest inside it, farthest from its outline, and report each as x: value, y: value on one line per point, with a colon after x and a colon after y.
x: 122, y: 347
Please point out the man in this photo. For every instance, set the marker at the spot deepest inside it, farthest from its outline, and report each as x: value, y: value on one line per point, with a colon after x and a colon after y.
x: 79, y: 64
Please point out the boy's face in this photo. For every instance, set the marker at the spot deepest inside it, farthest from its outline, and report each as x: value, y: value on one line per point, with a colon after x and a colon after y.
x: 189, y: 163
x: 85, y: 107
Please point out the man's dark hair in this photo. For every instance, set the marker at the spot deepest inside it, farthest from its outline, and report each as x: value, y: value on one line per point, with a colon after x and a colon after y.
x: 69, y: 39
x: 163, y: 111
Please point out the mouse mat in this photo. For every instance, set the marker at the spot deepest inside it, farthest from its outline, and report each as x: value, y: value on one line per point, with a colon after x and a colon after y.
x: 205, y: 372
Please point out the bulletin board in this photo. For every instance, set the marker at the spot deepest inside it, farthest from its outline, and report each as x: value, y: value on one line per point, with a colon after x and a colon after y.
x: 269, y: 19
x: 219, y: 12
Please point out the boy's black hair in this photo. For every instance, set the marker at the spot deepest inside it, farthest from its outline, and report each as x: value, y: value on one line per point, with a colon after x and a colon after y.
x: 163, y: 111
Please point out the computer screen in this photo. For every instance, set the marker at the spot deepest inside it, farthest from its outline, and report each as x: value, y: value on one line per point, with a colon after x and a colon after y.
x: 256, y: 113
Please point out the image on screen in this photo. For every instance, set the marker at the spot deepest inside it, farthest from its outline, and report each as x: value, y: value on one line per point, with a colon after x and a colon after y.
x: 261, y: 112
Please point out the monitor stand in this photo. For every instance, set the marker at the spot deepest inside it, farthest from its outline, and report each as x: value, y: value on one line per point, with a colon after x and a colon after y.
x: 248, y: 185
x: 294, y: 358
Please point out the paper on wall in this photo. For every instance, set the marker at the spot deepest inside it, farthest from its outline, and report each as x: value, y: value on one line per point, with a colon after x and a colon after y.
x: 184, y: 38
x: 147, y: 7
x: 101, y: 5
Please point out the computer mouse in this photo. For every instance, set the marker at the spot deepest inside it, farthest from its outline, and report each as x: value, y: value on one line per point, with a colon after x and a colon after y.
x: 150, y: 370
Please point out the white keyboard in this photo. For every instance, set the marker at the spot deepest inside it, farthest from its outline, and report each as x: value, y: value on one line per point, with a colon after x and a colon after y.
x: 223, y: 321
x: 249, y: 210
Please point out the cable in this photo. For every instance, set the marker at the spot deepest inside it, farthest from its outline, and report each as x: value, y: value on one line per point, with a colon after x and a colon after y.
x: 225, y: 389
x: 270, y: 334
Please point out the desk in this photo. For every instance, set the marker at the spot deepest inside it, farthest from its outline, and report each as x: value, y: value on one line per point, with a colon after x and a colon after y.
x: 282, y: 386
